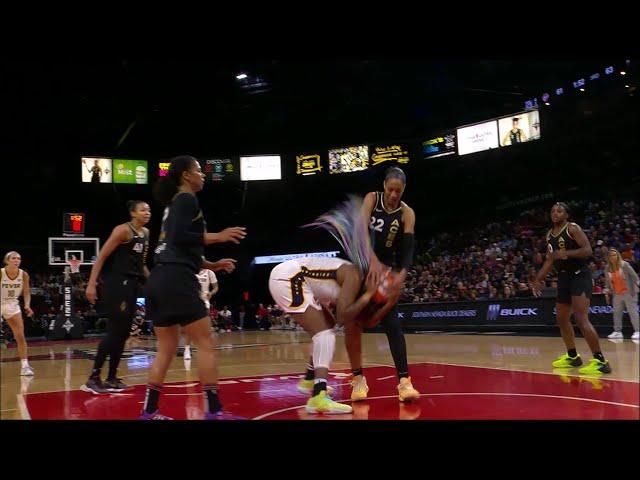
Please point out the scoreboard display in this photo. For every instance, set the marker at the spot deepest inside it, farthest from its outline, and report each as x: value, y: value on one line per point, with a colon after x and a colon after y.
x: 73, y: 224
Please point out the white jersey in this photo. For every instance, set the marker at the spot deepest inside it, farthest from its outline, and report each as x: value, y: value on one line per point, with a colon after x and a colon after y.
x: 303, y: 282
x: 11, y: 290
x: 206, y: 278
x: 11, y: 287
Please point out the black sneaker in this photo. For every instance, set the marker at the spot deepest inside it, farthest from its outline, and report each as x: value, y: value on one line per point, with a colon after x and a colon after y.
x: 95, y: 386
x: 116, y: 385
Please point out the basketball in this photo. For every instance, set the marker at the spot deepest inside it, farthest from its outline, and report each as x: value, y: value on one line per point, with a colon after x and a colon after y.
x: 384, y: 289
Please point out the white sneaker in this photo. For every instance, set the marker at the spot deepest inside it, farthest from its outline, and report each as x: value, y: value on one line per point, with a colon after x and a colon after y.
x: 635, y: 336
x: 26, y: 372
x: 615, y: 335
x: 187, y: 354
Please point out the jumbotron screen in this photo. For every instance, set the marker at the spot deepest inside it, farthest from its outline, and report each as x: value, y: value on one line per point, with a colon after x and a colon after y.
x: 260, y: 167
x: 478, y: 137
x: 308, y: 164
x: 218, y: 169
x: 389, y: 153
x: 439, y: 146
x: 130, y: 171
x: 519, y: 128
x: 96, y: 170
x: 349, y: 159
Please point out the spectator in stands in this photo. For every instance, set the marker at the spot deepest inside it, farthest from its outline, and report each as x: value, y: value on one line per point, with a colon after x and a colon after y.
x: 622, y: 284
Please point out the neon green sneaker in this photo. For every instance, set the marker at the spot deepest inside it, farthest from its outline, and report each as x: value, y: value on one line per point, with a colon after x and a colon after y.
x: 596, y: 367
x: 565, y: 361
x: 322, y: 403
x: 306, y: 386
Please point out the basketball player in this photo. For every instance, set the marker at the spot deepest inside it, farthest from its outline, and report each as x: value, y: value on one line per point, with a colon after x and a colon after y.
x: 391, y: 223
x: 15, y: 282
x: 121, y: 265
x: 515, y: 135
x: 208, y: 288
x: 307, y: 289
x: 173, y: 293
x: 567, y: 251
x: 95, y: 171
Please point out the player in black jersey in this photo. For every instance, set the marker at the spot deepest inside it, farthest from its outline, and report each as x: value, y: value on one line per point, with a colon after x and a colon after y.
x: 121, y: 265
x: 515, y: 135
x: 568, y: 249
x: 391, y: 223
x: 173, y: 290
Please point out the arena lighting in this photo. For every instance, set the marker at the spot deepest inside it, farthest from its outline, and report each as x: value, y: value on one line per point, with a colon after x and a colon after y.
x: 626, y: 86
x: 623, y: 72
x: 559, y: 91
x: 545, y: 97
x: 241, y: 76
x: 582, y: 89
x: 608, y: 70
x: 547, y: 103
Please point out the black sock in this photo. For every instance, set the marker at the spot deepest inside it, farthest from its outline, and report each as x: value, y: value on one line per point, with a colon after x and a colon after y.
x: 356, y: 372
x: 572, y: 352
x: 599, y: 356
x: 310, y: 373
x: 319, y: 385
x: 398, y: 347
x: 211, y: 397
x: 95, y: 373
x: 152, y: 398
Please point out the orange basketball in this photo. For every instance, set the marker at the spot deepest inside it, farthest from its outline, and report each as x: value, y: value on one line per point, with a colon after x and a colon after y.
x: 387, y: 283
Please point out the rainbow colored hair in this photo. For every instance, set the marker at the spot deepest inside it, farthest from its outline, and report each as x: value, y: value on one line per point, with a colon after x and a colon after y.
x: 346, y: 225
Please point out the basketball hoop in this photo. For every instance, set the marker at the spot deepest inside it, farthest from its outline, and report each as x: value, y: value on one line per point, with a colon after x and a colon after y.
x: 74, y: 265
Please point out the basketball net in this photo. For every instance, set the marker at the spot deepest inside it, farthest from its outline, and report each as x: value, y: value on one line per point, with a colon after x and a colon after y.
x: 74, y: 265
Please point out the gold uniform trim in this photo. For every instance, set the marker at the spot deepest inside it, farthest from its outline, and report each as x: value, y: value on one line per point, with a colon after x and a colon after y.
x: 297, y: 280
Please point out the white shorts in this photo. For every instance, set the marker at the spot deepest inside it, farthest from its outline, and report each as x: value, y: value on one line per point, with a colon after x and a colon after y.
x: 10, y: 308
x: 281, y: 289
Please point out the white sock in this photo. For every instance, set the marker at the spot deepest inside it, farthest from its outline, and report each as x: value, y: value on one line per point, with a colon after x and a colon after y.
x: 25, y: 362
x: 187, y: 348
x: 324, y: 344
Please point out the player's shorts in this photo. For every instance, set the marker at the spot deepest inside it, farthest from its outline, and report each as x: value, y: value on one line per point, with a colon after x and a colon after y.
x: 291, y: 296
x: 173, y: 296
x: 10, y: 308
x: 574, y: 284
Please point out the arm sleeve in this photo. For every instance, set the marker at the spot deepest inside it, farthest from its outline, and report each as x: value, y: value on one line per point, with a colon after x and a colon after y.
x: 184, y: 210
x: 406, y: 250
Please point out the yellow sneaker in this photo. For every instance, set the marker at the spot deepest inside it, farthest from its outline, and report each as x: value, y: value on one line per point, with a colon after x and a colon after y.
x: 360, y: 388
x: 306, y: 386
x: 406, y: 391
x: 322, y: 403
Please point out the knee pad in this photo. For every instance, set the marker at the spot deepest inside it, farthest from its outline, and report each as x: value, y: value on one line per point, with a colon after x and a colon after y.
x: 324, y: 344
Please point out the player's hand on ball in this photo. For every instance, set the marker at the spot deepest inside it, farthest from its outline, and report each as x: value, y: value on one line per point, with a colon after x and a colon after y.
x: 372, y: 281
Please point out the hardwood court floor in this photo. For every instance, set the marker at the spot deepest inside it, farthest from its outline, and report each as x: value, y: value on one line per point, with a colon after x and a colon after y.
x: 460, y: 377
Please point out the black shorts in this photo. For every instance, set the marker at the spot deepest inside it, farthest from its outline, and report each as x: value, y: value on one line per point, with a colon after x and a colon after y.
x: 119, y: 294
x: 572, y: 284
x: 173, y: 296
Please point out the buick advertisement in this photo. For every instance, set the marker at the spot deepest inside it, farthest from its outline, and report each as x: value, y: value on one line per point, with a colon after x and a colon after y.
x: 522, y: 313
